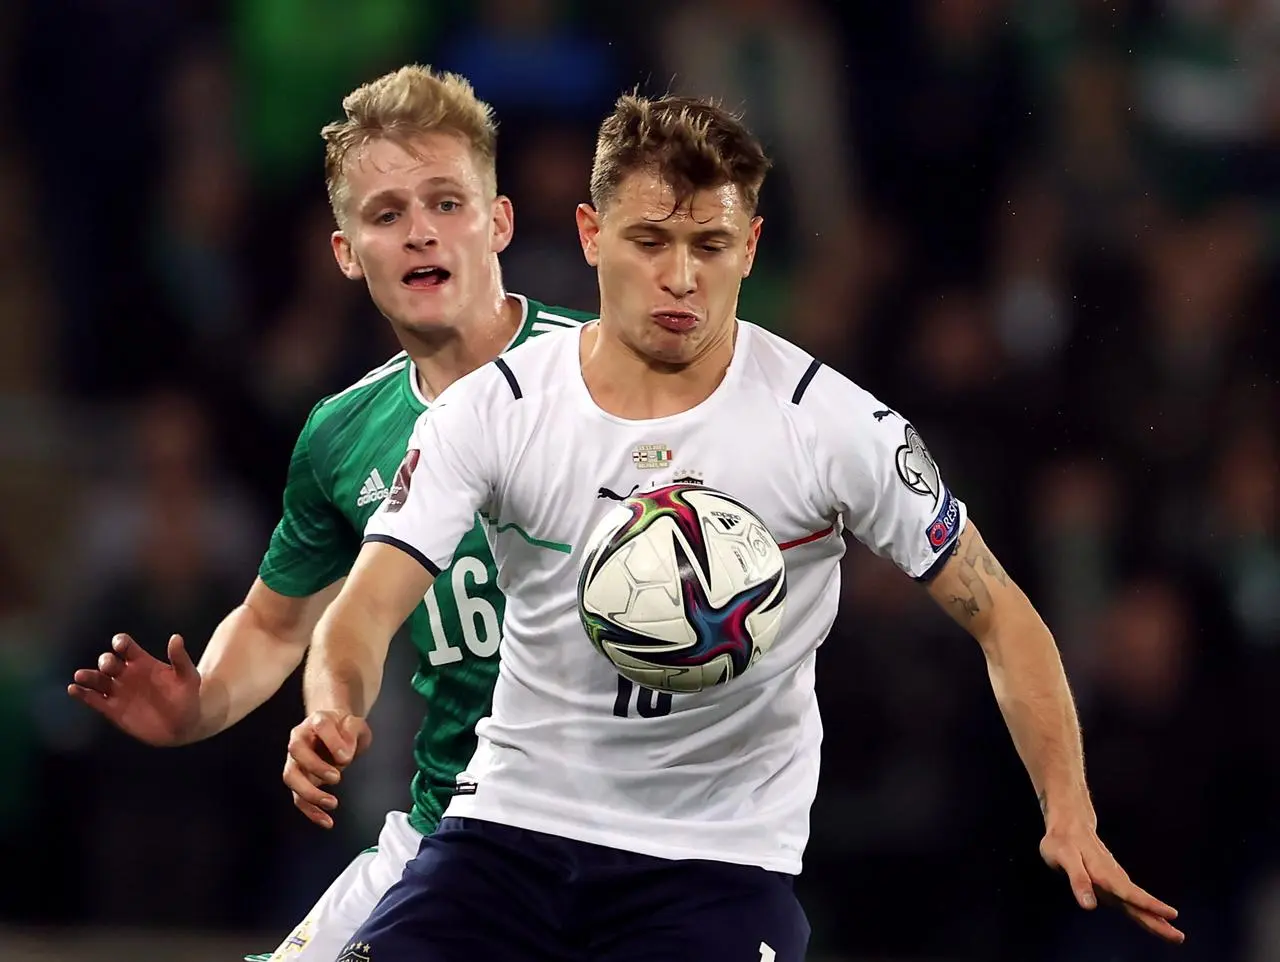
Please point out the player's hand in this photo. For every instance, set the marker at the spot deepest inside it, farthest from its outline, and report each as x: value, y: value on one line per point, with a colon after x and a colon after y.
x: 319, y: 749
x: 1095, y: 876
x: 156, y: 702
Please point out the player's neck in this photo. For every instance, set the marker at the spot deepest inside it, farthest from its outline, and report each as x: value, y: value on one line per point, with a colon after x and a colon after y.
x: 624, y: 383
x: 441, y: 360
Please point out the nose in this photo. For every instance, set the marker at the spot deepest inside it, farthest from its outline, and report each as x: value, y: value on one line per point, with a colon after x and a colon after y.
x: 679, y: 277
x: 421, y: 233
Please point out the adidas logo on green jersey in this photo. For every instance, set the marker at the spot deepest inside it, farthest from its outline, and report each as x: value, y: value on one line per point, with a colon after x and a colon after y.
x: 372, y: 490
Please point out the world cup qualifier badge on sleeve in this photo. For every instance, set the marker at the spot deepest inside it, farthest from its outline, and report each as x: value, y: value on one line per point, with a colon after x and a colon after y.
x: 404, y: 475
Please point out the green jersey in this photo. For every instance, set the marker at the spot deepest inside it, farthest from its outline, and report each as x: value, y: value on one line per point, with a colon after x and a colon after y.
x: 342, y: 468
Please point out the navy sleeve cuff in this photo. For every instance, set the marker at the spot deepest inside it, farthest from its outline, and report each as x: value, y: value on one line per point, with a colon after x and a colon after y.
x: 408, y: 549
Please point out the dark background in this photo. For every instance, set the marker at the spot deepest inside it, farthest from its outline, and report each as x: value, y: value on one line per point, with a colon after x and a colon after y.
x: 1046, y: 231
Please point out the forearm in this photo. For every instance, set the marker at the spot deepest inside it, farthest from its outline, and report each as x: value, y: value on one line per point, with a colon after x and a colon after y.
x: 1031, y: 689
x: 344, y: 669
x: 244, y: 664
x: 1025, y: 670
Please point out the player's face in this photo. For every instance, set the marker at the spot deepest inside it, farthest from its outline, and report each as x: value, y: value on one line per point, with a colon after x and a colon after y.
x: 422, y: 230
x: 669, y: 281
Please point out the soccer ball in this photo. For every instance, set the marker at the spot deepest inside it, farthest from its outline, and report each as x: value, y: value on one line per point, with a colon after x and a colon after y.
x: 682, y: 588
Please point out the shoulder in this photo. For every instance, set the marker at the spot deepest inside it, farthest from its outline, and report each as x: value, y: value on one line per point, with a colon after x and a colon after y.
x: 809, y: 391
x: 784, y: 369
x: 488, y: 389
x: 530, y: 367
x: 351, y: 405
x: 355, y: 396
x: 500, y: 390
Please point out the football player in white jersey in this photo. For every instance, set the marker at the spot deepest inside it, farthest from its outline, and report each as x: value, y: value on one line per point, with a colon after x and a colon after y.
x: 666, y: 834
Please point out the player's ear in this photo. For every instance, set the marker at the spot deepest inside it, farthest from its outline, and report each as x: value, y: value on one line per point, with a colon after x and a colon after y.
x: 504, y: 223
x: 589, y: 232
x: 753, y: 240
x: 346, y: 257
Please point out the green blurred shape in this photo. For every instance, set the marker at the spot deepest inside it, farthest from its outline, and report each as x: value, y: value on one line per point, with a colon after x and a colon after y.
x: 297, y: 59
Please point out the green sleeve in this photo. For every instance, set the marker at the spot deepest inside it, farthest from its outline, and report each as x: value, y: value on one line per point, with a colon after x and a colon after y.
x: 313, y: 545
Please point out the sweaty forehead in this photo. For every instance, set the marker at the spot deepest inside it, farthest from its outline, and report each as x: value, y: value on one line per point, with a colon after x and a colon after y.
x: 648, y: 197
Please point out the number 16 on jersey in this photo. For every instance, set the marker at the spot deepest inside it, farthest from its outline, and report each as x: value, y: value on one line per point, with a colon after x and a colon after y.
x: 635, y: 699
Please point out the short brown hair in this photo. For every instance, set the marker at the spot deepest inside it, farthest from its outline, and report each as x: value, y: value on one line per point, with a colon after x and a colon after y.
x: 405, y: 103
x: 691, y: 143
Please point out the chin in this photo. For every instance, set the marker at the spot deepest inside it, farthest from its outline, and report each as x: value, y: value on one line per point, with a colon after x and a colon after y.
x: 427, y: 323
x: 676, y: 343
x: 674, y: 354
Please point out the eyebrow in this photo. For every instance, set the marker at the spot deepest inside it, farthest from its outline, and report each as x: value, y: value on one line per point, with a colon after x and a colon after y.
x: 382, y: 198
x: 649, y: 227
x: 395, y: 195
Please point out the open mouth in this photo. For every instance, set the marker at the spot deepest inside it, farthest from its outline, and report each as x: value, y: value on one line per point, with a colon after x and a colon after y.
x: 423, y: 278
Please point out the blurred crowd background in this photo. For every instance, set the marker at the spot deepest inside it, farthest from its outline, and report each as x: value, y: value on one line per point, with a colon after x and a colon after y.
x: 1047, y: 231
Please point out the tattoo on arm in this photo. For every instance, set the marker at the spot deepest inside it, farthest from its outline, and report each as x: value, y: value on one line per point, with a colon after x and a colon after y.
x: 967, y: 606
x: 976, y: 561
x: 992, y: 567
x: 1043, y: 799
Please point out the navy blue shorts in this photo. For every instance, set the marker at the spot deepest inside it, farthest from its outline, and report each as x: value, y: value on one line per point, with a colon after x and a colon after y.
x: 482, y: 892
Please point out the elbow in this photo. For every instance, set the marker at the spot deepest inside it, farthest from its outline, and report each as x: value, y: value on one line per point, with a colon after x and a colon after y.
x: 286, y: 621
x: 1012, y: 621
x: 986, y: 631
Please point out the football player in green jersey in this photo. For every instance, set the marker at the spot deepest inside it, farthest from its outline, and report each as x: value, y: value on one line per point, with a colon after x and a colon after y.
x: 411, y: 178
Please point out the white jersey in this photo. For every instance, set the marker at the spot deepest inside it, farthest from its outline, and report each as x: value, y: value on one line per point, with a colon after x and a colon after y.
x: 570, y: 749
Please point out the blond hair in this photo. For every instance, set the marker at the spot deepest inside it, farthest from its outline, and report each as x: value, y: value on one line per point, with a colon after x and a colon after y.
x: 690, y: 143
x: 401, y: 105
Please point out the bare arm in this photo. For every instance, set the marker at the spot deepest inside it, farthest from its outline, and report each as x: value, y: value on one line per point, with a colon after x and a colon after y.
x: 1031, y: 688
x: 1025, y: 670
x: 344, y: 673
x: 253, y: 652
x: 344, y: 670
x: 167, y: 703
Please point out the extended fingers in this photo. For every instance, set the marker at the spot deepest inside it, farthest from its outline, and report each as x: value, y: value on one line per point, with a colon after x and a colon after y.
x: 90, y: 683
x: 1115, y: 886
x: 111, y: 665
x: 1109, y: 877
x: 307, y: 798
x: 313, y: 813
x: 1157, y: 925
x: 1142, y: 900
x: 125, y: 647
